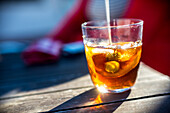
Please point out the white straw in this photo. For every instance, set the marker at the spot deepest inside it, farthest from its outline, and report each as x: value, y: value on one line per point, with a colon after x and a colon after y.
x: 108, y: 20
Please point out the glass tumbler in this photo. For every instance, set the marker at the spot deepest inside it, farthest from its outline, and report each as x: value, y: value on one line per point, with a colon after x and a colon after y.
x: 113, y: 53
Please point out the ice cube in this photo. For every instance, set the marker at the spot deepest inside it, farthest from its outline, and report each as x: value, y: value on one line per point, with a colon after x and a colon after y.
x: 127, y: 45
x: 102, y: 50
x: 127, y: 54
x: 99, y: 60
x: 113, y: 56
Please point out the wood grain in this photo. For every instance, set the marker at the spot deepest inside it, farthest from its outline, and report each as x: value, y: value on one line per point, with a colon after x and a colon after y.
x: 62, y: 91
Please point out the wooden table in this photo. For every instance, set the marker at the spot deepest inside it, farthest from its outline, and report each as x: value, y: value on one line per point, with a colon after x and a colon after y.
x: 65, y: 86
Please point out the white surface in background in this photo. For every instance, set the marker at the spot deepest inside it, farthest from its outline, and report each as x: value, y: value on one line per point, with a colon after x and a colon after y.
x: 31, y: 19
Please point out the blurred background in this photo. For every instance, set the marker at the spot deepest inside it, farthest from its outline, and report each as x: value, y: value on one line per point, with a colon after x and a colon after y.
x: 23, y: 21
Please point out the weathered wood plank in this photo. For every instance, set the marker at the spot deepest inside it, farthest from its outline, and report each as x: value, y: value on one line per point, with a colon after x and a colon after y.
x: 149, y: 82
x: 148, y: 105
x: 31, y: 104
x: 15, y: 75
x: 148, y: 78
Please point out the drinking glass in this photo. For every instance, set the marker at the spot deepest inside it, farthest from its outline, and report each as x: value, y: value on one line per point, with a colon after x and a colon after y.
x: 113, y: 53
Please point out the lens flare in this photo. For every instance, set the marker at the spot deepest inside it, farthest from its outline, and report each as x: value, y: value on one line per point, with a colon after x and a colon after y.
x: 102, y: 89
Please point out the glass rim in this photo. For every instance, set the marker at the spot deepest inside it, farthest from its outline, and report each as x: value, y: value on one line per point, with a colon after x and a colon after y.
x: 140, y: 22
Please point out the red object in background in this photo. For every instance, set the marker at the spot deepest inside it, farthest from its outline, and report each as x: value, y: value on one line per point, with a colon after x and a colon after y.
x: 43, y: 51
x: 69, y: 29
x: 156, y: 37
x: 49, y: 49
x: 156, y: 41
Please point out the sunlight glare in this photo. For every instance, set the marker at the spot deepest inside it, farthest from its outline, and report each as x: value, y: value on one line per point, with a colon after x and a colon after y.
x: 102, y: 89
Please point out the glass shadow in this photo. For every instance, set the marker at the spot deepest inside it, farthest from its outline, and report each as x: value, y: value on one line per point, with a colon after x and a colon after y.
x: 92, y: 101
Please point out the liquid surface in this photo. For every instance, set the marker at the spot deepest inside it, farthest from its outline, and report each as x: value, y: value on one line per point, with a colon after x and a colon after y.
x: 115, y: 66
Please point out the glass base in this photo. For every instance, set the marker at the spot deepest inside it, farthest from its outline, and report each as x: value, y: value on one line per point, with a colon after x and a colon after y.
x: 113, y: 91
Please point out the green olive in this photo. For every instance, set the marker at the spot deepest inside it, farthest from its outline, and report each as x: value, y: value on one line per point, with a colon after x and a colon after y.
x: 112, y: 66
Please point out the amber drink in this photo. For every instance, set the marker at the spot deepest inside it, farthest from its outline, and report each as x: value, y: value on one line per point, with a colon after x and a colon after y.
x: 113, y: 67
